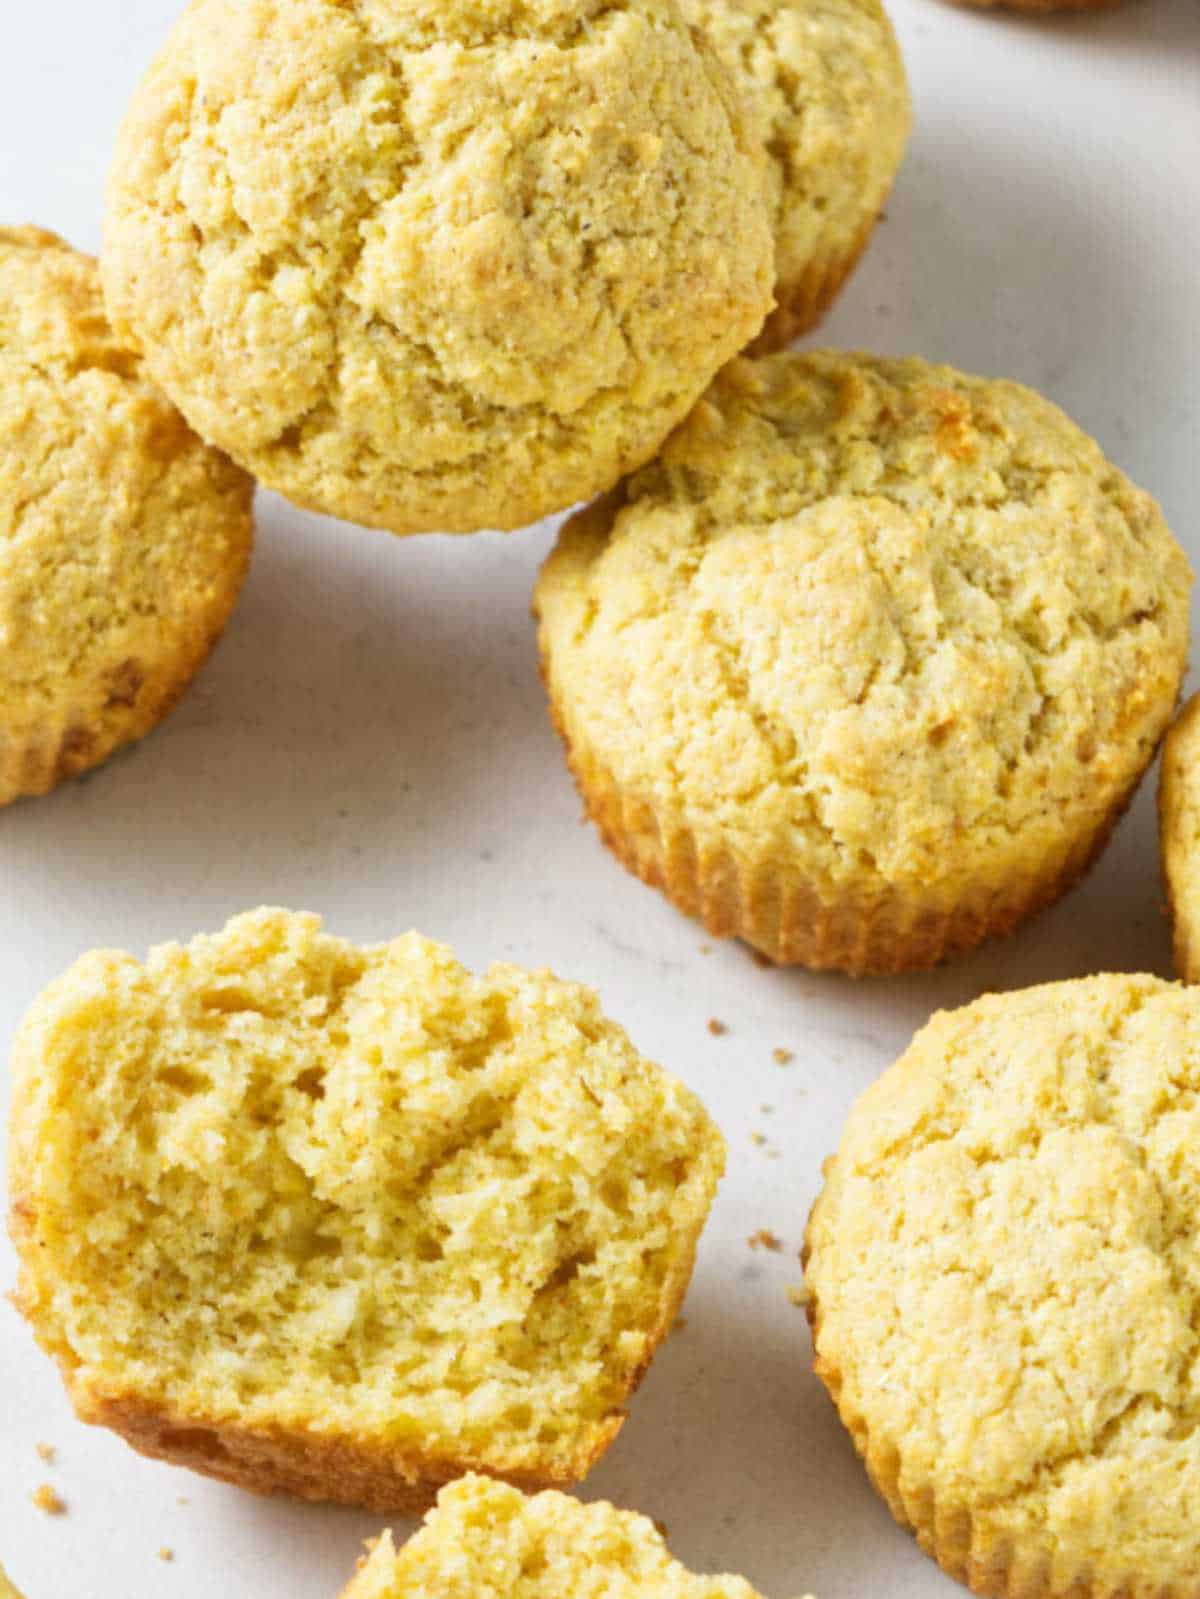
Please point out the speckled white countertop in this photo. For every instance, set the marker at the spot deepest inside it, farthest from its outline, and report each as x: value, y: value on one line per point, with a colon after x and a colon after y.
x: 370, y: 742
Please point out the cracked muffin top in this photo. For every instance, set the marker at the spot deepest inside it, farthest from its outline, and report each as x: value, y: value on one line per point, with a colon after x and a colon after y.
x: 899, y: 625
x: 1005, y: 1270
x: 437, y: 266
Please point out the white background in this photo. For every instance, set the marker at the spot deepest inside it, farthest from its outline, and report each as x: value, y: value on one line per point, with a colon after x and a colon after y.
x: 370, y: 742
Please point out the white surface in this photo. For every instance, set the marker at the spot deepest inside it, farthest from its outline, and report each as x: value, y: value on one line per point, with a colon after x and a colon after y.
x: 370, y: 742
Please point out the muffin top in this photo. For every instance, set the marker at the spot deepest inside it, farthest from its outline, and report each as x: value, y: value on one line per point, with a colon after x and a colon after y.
x: 1179, y: 815
x: 1005, y: 1264
x: 274, y: 1181
x: 436, y: 264
x: 487, y: 1541
x: 826, y: 93
x: 122, y: 536
x: 896, y: 623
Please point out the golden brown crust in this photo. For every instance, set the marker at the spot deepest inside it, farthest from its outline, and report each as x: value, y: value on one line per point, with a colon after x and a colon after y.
x: 872, y: 798
x: 129, y: 699
x: 281, y: 1460
x: 341, y: 1471
x: 769, y: 906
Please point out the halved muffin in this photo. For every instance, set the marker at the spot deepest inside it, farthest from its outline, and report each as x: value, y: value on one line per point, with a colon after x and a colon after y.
x: 348, y: 1222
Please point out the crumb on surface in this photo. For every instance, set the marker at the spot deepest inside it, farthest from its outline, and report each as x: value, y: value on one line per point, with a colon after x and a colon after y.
x: 798, y: 1295
x: 782, y: 1057
x: 48, y: 1500
x: 165, y: 1553
x: 764, y: 1238
x: 758, y: 1138
x: 679, y: 1324
x: 716, y: 1026
x: 45, y: 1452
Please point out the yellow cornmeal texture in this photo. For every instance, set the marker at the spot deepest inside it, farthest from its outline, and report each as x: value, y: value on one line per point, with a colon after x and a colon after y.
x: 1005, y: 1269
x: 348, y: 1222
x: 437, y: 265
x: 487, y: 1541
x: 825, y: 87
x: 123, y: 539
x: 1179, y: 828
x: 867, y: 663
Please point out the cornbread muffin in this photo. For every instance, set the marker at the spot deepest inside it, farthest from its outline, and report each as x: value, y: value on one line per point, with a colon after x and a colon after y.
x: 123, y: 539
x: 347, y: 1223
x: 7, y: 1590
x: 1004, y: 1271
x: 487, y: 1541
x: 442, y: 263
x: 1179, y: 834
x: 825, y: 87
x: 865, y: 666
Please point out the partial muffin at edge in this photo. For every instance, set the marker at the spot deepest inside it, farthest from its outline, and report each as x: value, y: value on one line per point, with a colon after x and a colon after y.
x: 486, y: 1540
x: 1004, y: 1284
x: 124, y: 539
x: 1179, y: 836
x: 866, y: 665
